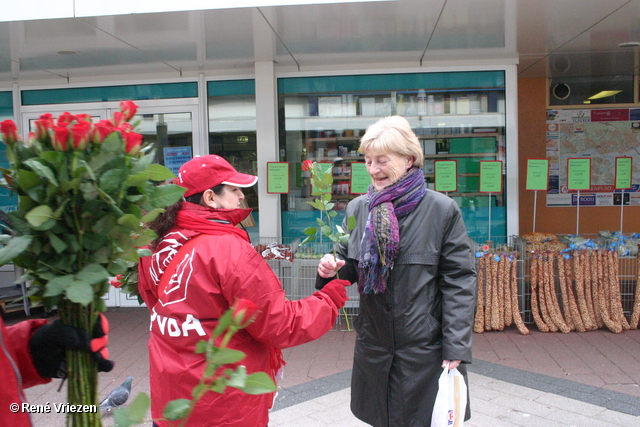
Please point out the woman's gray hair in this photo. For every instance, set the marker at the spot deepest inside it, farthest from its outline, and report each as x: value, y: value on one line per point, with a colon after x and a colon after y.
x: 393, y: 134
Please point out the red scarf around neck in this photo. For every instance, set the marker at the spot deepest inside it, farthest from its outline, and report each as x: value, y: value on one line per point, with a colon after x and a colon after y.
x: 188, y: 219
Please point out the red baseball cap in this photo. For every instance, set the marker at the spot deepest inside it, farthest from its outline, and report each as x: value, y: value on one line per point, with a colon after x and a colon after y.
x: 205, y: 172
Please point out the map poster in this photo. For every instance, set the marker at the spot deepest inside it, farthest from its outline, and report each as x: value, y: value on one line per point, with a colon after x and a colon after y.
x: 602, y: 135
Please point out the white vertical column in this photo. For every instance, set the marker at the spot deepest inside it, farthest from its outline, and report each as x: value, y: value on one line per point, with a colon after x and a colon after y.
x: 266, y: 124
x: 511, y: 111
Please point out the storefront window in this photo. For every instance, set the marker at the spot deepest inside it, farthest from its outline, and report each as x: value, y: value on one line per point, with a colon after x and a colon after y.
x: 232, y: 134
x: 457, y: 116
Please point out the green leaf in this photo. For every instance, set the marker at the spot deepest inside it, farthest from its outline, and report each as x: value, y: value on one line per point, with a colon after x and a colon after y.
x: 57, y: 243
x: 166, y: 195
x: 201, y: 347
x: 39, y: 215
x: 327, y: 179
x: 326, y: 230
x: 226, y: 355
x: 317, y: 204
x: 27, y: 179
x: 238, y: 379
x: 144, y: 238
x: 133, y: 414
x: 57, y: 286
x: 152, y: 215
x: 259, y: 383
x: 89, y: 190
x: 136, y: 180
x: 159, y: 173
x: 113, y: 180
x: 80, y: 292
x: 310, y: 231
x: 197, y: 390
x: 344, y: 239
x: 351, y: 223
x: 332, y: 213
x: 42, y: 170
x: 92, y: 274
x: 329, y: 206
x: 130, y: 221
x: 340, y: 229
x: 15, y: 247
x: 308, y: 239
x: 176, y: 409
x: 326, y: 197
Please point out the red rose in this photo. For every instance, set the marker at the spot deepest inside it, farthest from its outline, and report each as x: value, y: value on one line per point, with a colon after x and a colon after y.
x: 31, y: 139
x: 128, y: 108
x: 9, y: 131
x: 307, y: 165
x: 116, y: 282
x: 101, y: 130
x: 81, y: 132
x: 244, y: 311
x: 43, y: 126
x: 60, y: 138
x: 132, y: 143
x: 118, y: 118
x: 65, y: 118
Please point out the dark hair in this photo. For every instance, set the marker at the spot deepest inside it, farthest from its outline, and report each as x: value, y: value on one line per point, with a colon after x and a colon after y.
x: 167, y: 220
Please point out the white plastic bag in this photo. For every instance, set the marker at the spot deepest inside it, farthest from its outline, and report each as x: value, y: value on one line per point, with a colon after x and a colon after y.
x: 451, y: 400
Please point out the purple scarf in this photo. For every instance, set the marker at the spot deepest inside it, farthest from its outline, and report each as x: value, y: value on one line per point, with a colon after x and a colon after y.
x: 381, y: 238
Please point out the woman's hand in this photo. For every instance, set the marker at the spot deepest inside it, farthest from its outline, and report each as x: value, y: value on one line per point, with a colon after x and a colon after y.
x: 452, y: 364
x: 329, y: 265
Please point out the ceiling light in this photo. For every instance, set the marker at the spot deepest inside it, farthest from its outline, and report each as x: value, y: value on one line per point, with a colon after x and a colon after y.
x: 604, y: 94
x: 629, y: 44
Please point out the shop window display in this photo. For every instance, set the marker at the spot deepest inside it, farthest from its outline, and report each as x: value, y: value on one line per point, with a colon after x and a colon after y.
x: 457, y: 116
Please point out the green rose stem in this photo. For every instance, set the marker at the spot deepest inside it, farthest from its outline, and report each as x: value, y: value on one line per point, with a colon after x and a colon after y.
x: 82, y: 370
x: 322, y: 180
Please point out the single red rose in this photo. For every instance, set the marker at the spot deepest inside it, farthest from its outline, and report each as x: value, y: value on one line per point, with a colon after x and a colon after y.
x: 132, y: 143
x: 116, y: 282
x: 43, y: 126
x: 81, y: 132
x: 307, y: 165
x: 65, y: 118
x: 101, y: 130
x: 118, y: 118
x: 124, y: 127
x: 244, y: 311
x: 60, y: 138
x: 84, y: 118
x: 9, y: 131
x: 31, y: 139
x: 128, y: 108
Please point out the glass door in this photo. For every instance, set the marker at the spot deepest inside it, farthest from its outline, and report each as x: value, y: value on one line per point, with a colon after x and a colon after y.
x: 169, y: 124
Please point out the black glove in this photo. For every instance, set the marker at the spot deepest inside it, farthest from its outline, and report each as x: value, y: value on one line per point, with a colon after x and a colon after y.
x: 49, y: 343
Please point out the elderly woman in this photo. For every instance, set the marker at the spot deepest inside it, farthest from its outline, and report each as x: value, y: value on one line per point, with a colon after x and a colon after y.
x: 412, y: 259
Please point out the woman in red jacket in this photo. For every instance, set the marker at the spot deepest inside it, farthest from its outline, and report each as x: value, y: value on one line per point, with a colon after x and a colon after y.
x: 206, y: 279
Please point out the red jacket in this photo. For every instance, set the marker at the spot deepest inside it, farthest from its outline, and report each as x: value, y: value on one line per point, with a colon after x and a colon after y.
x: 220, y: 269
x: 17, y: 370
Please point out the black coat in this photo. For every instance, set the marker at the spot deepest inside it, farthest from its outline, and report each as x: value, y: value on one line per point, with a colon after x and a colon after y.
x: 425, y: 315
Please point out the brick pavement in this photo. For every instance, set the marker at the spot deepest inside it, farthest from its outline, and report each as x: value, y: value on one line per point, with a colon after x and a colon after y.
x: 603, y: 370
